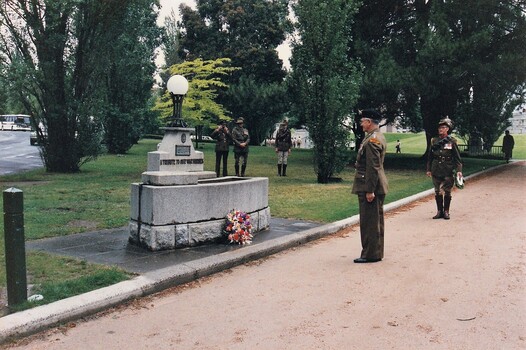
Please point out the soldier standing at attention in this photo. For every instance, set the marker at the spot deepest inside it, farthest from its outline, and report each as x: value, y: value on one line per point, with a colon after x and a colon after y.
x: 241, y: 138
x: 443, y: 164
x: 222, y: 137
x: 283, y: 147
x: 370, y: 184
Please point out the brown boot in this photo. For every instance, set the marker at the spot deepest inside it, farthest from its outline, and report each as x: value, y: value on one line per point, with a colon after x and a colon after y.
x: 440, y: 206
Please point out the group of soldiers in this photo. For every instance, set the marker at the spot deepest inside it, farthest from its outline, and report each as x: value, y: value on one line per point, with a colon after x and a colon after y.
x: 240, y: 138
x: 444, y: 166
x: 370, y: 184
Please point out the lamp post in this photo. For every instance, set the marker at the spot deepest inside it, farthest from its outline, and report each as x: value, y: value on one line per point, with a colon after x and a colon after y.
x: 178, y: 87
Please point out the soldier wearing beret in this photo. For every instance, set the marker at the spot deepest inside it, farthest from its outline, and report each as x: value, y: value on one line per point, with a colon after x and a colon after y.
x: 370, y: 184
x: 443, y: 164
x: 240, y: 138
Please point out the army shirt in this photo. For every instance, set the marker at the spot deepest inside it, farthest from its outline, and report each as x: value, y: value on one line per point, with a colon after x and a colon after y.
x: 240, y: 135
x: 443, y: 156
x: 222, y: 138
x: 370, y: 176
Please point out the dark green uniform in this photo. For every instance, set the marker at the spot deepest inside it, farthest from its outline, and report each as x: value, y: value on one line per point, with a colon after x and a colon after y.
x: 507, y: 146
x: 370, y: 178
x: 222, y: 137
x: 283, y: 145
x: 443, y: 158
x: 240, y: 135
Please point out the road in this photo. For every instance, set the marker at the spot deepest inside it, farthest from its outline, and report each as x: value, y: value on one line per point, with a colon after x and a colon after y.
x: 443, y: 284
x: 16, y: 154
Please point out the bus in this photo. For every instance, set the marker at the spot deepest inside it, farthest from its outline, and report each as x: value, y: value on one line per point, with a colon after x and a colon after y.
x: 15, y: 122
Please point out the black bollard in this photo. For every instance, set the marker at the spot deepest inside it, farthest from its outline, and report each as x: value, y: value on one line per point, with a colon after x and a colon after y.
x: 15, y: 249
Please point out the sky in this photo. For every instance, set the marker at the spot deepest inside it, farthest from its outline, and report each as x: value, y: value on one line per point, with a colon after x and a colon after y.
x: 167, y: 6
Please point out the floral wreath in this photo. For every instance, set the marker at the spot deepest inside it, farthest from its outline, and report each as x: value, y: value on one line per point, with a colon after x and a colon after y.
x: 238, y: 228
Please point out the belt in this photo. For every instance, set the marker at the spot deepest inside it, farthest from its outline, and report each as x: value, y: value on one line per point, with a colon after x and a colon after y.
x: 443, y: 159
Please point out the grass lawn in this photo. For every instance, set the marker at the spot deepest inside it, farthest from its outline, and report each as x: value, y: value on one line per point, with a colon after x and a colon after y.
x: 98, y: 197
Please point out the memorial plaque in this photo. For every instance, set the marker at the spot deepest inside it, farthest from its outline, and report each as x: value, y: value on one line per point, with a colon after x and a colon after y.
x: 182, y: 150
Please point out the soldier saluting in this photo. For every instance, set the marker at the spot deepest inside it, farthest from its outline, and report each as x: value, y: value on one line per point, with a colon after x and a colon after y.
x: 443, y: 164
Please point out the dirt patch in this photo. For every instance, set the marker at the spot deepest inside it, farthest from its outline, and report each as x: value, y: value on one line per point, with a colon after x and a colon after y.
x: 90, y: 225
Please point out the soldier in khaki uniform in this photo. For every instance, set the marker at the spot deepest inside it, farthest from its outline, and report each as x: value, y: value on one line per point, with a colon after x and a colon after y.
x: 370, y: 184
x: 283, y: 147
x: 241, y: 139
x: 443, y: 164
x: 222, y: 136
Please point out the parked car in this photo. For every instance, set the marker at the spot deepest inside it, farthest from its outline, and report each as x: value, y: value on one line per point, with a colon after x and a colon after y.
x: 203, y: 138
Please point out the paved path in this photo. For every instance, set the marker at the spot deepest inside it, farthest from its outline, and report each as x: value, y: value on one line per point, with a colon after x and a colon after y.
x: 111, y: 247
x: 16, y: 154
x: 456, y: 284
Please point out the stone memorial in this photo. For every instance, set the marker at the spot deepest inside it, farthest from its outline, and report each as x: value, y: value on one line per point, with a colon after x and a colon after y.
x: 177, y: 204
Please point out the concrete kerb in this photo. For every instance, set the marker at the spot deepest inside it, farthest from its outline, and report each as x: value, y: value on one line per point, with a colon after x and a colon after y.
x: 39, y: 318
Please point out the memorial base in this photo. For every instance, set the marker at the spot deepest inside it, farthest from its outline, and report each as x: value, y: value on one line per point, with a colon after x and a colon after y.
x: 177, y: 216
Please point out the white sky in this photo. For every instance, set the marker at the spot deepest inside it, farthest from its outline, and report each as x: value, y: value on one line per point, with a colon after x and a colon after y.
x: 284, y: 51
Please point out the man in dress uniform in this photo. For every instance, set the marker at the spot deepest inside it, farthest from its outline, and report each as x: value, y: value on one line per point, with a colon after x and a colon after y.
x: 240, y: 138
x: 443, y: 164
x: 370, y: 184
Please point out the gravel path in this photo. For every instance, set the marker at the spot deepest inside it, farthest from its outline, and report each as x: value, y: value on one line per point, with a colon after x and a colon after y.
x: 457, y: 284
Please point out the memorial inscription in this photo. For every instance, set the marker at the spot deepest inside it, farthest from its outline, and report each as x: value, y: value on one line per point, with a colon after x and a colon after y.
x: 182, y: 151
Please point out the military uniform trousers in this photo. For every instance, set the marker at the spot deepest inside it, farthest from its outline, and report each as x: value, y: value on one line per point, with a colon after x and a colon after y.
x: 372, y: 226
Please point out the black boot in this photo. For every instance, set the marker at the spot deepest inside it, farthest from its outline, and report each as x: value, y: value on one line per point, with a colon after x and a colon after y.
x: 440, y: 206
x: 243, y: 167
x: 236, y: 167
x: 284, y: 169
x: 447, y: 202
x: 279, y: 169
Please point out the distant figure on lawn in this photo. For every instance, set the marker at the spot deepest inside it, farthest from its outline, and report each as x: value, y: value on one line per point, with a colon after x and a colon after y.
x: 507, y: 146
x: 283, y: 147
x: 398, y: 146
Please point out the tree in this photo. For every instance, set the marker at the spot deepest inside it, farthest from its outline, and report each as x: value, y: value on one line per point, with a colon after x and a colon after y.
x: 57, y: 53
x: 248, y: 32
x: 199, y: 105
x: 384, y: 42
x: 428, y: 59
x: 486, y: 43
x: 326, y: 81
x: 261, y: 105
x: 128, y: 72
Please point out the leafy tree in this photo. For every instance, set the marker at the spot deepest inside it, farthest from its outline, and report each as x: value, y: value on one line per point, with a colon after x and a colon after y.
x: 57, y: 54
x: 326, y: 81
x: 384, y: 42
x: 248, y: 32
x: 486, y: 45
x: 425, y: 60
x: 127, y: 113
x: 199, y: 105
x: 260, y: 104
